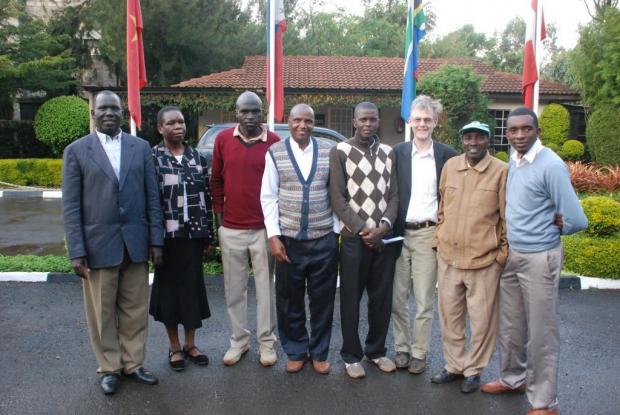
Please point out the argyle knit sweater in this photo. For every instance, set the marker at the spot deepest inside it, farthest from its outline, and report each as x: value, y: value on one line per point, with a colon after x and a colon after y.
x: 362, y: 183
x: 236, y: 175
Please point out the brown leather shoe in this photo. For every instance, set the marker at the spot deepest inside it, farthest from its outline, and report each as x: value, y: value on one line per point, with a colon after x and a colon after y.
x: 321, y: 367
x: 543, y: 411
x: 294, y: 366
x: 496, y: 387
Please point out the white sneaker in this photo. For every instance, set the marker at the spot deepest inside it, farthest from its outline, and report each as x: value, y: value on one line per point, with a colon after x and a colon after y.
x: 234, y: 354
x: 268, y: 356
x: 355, y: 370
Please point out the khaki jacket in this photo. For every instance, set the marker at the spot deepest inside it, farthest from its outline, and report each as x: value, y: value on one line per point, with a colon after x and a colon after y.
x: 471, y: 229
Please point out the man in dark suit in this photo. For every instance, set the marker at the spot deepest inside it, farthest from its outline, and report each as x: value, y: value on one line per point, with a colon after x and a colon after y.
x: 418, y: 165
x: 113, y: 221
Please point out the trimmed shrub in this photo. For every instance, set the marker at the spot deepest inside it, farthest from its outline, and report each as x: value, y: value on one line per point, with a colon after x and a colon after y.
x: 17, y: 140
x: 603, y: 215
x: 573, y: 150
x: 592, y: 256
x: 61, y: 120
x: 603, y: 135
x: 554, y: 123
x: 32, y: 172
x: 502, y: 155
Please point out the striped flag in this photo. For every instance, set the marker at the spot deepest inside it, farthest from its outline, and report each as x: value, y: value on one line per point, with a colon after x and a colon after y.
x: 276, y: 25
x: 531, y: 54
x: 136, y: 69
x: 415, y: 32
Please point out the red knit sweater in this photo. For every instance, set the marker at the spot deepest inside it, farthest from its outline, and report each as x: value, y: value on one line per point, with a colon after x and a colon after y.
x: 236, y: 175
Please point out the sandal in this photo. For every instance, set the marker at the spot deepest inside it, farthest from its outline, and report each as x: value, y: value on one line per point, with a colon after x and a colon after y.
x: 176, y: 365
x: 199, y: 359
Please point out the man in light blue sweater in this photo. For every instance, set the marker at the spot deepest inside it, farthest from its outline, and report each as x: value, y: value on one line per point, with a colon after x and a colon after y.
x: 541, y: 205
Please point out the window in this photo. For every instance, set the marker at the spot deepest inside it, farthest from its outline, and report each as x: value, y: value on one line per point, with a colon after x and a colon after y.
x: 500, y: 142
x: 341, y: 120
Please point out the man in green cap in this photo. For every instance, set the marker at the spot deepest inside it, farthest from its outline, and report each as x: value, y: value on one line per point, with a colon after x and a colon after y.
x: 472, y: 248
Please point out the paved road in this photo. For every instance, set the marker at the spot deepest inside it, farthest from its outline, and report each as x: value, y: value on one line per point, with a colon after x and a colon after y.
x: 31, y: 226
x: 47, y: 367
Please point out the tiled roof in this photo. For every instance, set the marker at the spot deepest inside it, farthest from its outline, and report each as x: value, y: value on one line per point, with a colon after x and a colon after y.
x: 357, y: 73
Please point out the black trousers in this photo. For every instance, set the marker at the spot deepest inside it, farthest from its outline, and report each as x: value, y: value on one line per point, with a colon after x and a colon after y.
x: 362, y: 268
x: 313, y: 265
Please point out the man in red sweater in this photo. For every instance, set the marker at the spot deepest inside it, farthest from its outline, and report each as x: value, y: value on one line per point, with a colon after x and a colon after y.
x: 237, y: 171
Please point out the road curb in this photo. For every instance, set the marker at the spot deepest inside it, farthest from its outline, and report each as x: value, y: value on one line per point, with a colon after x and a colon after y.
x: 566, y: 282
x: 30, y: 194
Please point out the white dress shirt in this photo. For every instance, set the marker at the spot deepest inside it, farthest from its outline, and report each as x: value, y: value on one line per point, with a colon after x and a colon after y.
x: 112, y: 148
x: 527, y: 158
x: 423, y: 200
x: 270, y: 186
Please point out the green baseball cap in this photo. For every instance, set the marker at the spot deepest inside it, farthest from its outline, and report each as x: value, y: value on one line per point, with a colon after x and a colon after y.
x: 476, y: 126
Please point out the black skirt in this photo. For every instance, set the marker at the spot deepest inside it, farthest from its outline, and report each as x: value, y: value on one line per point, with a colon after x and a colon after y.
x: 178, y: 295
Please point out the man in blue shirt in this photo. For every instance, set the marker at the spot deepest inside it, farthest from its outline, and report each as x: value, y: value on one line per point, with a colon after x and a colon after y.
x: 541, y: 204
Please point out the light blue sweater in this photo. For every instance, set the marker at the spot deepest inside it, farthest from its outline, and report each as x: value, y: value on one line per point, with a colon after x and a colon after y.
x: 534, y: 194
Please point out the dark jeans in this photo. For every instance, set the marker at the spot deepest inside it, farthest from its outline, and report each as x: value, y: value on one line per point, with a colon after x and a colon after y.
x: 362, y: 268
x: 313, y: 265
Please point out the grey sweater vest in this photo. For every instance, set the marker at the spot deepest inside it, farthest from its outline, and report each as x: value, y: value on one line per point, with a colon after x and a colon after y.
x: 304, y: 206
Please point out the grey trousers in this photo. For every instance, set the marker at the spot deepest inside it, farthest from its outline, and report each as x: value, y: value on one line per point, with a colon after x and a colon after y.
x: 529, y: 335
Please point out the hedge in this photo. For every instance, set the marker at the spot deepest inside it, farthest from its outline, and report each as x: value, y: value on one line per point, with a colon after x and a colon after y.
x: 603, y: 215
x: 592, y: 256
x: 32, y: 172
x: 603, y: 135
x: 554, y: 124
x: 55, y: 263
x: 17, y: 140
x: 502, y: 155
x: 573, y: 150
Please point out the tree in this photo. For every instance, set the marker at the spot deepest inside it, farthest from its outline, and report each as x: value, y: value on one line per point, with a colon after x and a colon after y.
x: 30, y: 58
x: 596, y: 59
x: 458, y: 89
x: 462, y: 43
x: 597, y: 12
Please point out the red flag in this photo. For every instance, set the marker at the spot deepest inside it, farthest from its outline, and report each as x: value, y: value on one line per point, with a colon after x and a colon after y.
x: 530, y: 66
x: 278, y: 20
x: 136, y: 70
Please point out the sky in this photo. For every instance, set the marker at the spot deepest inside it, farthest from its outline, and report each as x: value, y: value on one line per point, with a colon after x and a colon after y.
x: 490, y: 16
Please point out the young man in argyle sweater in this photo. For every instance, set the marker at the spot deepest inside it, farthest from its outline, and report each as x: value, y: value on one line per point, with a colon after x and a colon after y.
x: 364, y: 196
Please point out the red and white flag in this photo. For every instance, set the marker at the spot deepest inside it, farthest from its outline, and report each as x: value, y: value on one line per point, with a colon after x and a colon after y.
x: 276, y: 25
x: 531, y: 53
x: 136, y: 69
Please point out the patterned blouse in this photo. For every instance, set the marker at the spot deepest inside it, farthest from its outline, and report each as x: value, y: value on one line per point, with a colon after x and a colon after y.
x: 184, y: 181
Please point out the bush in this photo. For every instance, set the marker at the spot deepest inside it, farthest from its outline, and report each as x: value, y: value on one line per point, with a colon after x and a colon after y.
x: 587, y: 178
x: 603, y: 135
x: 573, y: 150
x: 554, y: 123
x: 61, y: 120
x: 603, y: 215
x: 591, y: 256
x: 502, y: 155
x: 17, y: 140
x: 32, y: 172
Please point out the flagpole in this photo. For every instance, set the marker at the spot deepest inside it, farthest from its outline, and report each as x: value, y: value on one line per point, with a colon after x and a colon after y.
x: 537, y: 53
x: 132, y: 126
x: 272, y: 64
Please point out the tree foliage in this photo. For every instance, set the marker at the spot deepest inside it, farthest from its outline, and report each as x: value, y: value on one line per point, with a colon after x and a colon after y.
x: 31, y: 58
x: 602, y: 133
x: 458, y: 89
x: 596, y: 59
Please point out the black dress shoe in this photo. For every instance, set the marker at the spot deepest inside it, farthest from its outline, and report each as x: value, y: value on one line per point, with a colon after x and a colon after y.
x: 470, y: 384
x: 200, y: 359
x: 109, y: 383
x: 444, y: 377
x: 143, y: 376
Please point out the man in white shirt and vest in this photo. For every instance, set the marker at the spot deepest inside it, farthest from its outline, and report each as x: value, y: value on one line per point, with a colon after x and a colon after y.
x: 303, y: 239
x: 418, y: 165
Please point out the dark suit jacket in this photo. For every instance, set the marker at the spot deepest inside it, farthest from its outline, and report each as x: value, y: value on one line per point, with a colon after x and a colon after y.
x: 103, y: 214
x: 402, y: 151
